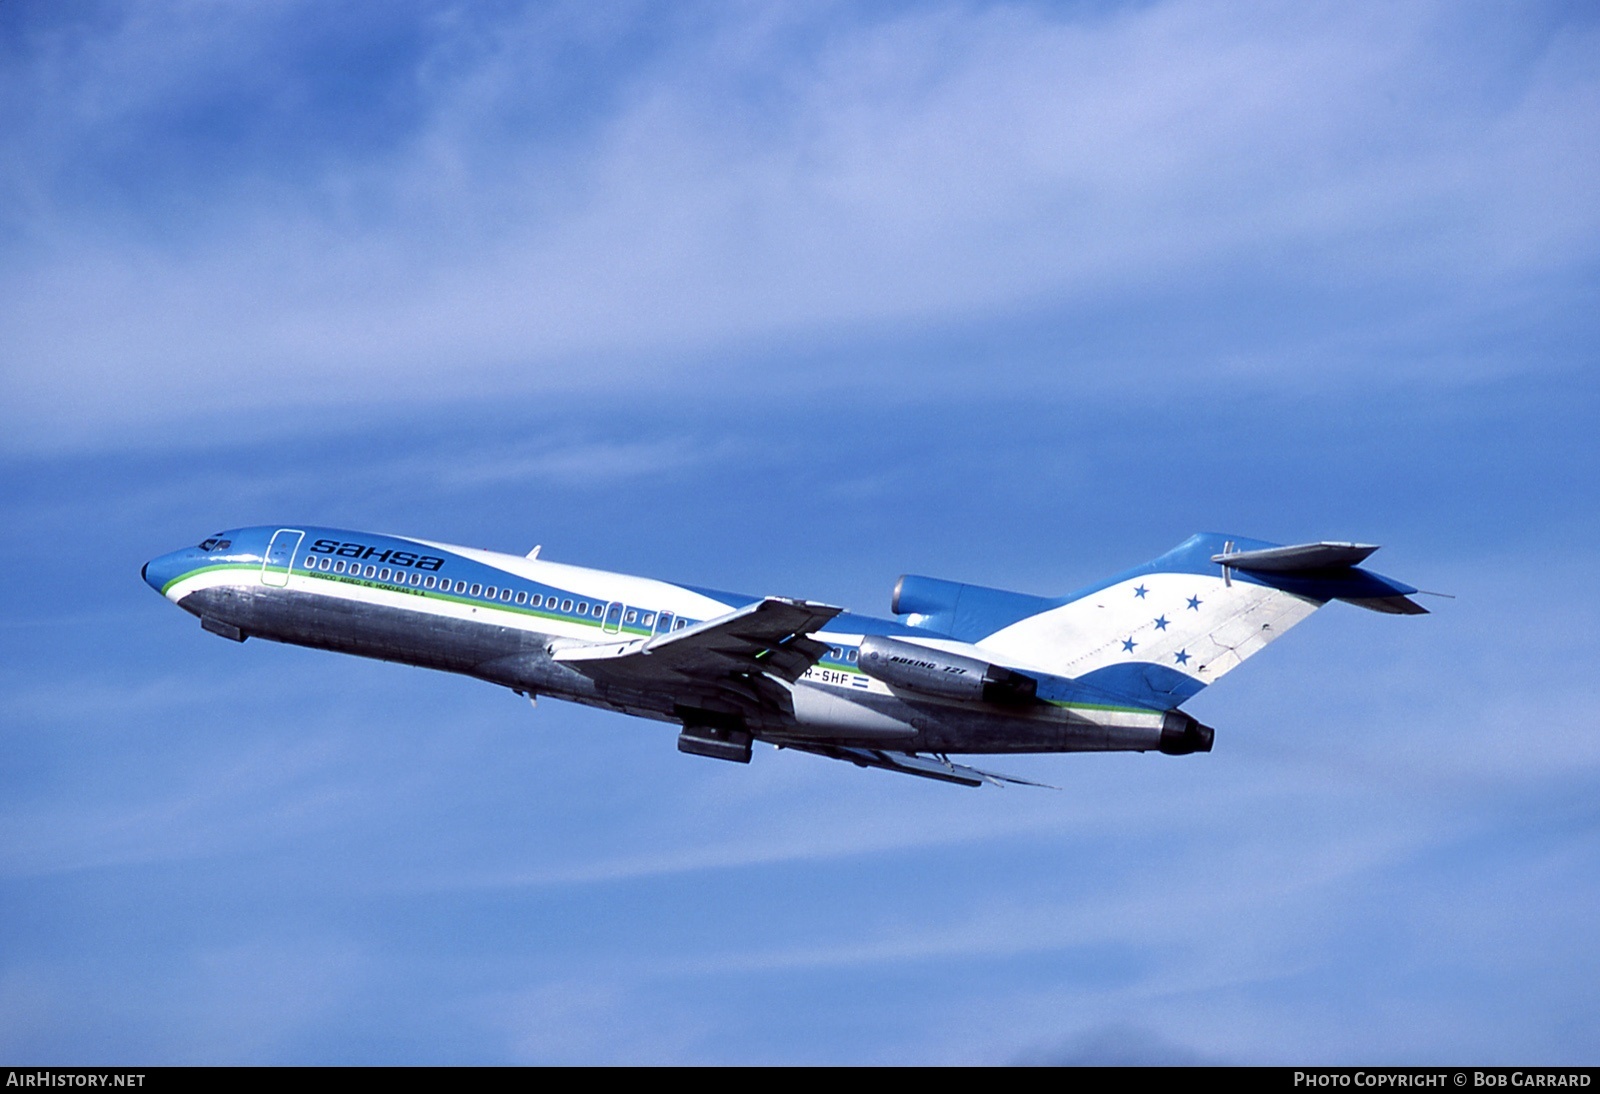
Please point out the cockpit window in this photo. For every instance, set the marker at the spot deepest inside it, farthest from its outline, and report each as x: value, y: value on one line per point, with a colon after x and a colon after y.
x: 216, y: 543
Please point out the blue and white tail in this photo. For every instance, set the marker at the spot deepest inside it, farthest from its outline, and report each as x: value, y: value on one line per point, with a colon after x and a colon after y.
x: 1161, y: 632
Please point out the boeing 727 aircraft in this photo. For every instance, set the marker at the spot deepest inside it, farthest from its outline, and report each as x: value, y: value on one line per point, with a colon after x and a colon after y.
x: 961, y: 669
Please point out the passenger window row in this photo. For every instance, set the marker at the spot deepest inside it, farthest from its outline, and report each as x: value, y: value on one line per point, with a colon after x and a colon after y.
x: 634, y: 616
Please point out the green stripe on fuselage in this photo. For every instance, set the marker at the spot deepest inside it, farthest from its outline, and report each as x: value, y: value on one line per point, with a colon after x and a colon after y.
x: 411, y: 590
x: 1107, y: 707
x: 253, y: 567
x: 539, y: 613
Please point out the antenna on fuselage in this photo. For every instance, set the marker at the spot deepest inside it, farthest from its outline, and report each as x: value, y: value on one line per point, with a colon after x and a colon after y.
x: 535, y: 552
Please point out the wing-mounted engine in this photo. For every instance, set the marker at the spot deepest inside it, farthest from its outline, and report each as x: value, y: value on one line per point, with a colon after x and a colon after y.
x: 946, y: 675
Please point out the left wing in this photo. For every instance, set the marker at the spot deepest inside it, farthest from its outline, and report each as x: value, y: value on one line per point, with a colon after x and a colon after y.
x: 739, y: 656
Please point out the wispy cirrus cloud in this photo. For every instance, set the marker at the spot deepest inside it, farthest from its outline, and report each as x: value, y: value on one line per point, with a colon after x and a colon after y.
x: 204, y: 218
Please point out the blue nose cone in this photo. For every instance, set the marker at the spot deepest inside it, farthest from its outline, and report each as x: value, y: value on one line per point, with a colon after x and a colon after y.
x: 159, y: 572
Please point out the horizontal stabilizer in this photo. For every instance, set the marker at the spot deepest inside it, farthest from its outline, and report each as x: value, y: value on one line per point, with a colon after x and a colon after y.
x: 1297, y: 559
x: 1327, y: 571
x: 1389, y: 605
x: 912, y: 763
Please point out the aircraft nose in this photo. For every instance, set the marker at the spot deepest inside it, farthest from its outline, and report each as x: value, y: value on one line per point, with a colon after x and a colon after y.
x: 160, y: 571
x: 152, y: 580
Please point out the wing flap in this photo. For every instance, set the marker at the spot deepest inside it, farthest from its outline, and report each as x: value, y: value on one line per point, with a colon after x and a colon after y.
x: 914, y: 763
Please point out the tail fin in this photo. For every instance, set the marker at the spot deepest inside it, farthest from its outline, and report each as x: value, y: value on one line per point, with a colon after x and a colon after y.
x: 1161, y: 632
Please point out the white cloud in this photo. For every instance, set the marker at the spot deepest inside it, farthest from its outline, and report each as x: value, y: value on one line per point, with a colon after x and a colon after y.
x: 770, y: 177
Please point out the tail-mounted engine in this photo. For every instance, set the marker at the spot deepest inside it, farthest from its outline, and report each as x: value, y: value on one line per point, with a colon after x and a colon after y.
x: 1181, y: 734
x: 947, y: 675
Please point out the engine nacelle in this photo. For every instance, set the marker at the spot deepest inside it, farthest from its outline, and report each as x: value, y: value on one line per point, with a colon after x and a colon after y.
x: 951, y: 608
x: 1181, y: 734
x: 948, y: 675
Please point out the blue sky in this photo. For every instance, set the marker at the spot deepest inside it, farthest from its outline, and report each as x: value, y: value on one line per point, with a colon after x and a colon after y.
x: 791, y: 300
